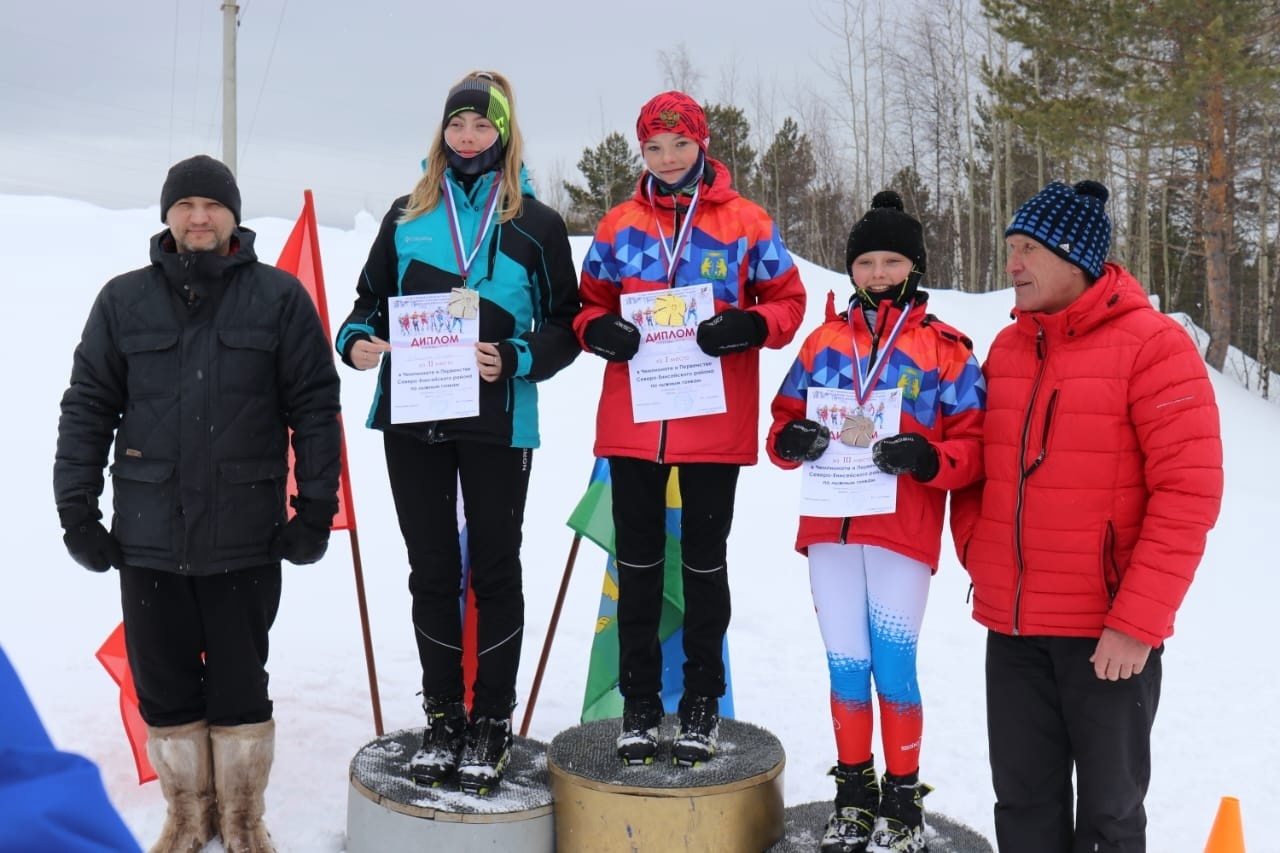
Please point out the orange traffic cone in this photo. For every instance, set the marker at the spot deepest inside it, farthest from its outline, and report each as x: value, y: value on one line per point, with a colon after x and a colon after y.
x: 1227, y: 835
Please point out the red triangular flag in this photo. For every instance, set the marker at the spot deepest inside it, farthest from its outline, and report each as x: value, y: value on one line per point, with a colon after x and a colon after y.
x: 301, y: 258
x: 113, y: 657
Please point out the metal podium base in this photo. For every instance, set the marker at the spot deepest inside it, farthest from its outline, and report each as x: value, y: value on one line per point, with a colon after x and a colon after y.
x: 732, y: 803
x: 388, y: 813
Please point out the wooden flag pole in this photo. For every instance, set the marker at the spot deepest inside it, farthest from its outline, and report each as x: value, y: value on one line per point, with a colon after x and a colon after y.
x: 551, y: 632
x: 322, y: 305
x: 364, y: 627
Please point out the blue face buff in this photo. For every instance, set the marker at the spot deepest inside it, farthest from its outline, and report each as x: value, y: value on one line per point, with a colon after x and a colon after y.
x: 688, y: 181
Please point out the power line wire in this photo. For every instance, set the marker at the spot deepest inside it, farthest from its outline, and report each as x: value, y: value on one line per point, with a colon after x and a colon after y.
x: 266, y: 73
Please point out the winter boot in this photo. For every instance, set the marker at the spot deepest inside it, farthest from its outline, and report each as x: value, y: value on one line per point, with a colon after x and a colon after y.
x: 699, y: 728
x: 638, y: 740
x: 900, y: 822
x: 180, y: 756
x: 857, y: 800
x: 485, y: 753
x: 437, y: 761
x: 242, y: 757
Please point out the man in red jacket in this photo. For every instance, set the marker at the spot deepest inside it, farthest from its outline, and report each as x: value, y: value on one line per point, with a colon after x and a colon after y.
x: 1103, y: 465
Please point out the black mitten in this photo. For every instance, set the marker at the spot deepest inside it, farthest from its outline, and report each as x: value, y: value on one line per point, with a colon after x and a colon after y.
x: 612, y: 338
x: 305, y: 538
x: 732, y: 330
x: 802, y: 440
x: 906, y: 453
x: 87, y: 541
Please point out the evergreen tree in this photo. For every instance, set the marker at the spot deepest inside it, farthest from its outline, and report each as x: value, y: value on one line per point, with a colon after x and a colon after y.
x: 730, y: 130
x: 611, y: 169
x: 783, y: 180
x: 1114, y: 77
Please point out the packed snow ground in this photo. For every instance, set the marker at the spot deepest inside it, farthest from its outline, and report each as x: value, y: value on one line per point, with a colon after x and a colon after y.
x: 1212, y: 735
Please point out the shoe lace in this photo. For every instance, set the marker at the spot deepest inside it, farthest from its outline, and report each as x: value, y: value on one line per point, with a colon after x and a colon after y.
x: 641, y: 715
x: 486, y: 739
x: 699, y: 715
x: 445, y: 725
x: 852, y: 821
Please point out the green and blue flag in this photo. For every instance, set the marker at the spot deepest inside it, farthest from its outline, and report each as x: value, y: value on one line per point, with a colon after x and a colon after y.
x: 592, y: 519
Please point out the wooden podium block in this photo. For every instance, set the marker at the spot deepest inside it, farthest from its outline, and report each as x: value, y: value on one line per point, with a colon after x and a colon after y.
x: 731, y: 803
x: 388, y: 813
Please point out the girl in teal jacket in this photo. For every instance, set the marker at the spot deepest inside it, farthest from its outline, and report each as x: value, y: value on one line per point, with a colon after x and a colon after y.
x: 472, y: 235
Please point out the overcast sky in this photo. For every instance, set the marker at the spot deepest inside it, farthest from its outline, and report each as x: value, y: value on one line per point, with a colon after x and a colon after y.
x: 97, y: 99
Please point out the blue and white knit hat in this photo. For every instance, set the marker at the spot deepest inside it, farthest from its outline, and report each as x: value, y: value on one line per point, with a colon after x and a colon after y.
x: 1070, y: 221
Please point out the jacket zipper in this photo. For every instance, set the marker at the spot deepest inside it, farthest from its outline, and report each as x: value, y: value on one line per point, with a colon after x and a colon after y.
x: 662, y: 425
x: 871, y: 359
x: 1023, y: 473
x: 184, y: 565
x: 881, y: 315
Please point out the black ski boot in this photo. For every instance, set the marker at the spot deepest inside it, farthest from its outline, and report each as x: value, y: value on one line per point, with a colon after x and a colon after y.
x: 699, y: 728
x: 436, y: 762
x: 638, y: 740
x: 484, y: 754
x: 857, y: 800
x: 900, y: 822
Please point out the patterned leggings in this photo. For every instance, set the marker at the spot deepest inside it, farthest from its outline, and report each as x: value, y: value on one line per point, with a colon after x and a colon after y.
x: 870, y: 603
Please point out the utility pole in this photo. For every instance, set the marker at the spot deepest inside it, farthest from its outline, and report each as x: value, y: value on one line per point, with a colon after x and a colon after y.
x: 230, y: 12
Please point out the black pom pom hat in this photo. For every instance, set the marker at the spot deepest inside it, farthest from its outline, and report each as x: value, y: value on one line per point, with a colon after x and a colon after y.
x: 886, y: 227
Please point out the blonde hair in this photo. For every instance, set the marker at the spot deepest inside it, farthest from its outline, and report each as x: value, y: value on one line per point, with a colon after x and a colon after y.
x: 427, y: 193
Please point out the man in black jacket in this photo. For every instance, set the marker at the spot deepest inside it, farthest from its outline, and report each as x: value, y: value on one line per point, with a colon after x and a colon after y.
x: 198, y: 366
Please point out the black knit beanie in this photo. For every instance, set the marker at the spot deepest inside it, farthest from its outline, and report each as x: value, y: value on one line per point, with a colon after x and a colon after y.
x: 1071, y: 221
x: 200, y: 176
x: 887, y: 228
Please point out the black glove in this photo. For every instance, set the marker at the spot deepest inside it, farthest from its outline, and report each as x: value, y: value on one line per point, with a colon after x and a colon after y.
x: 802, y: 440
x: 306, y: 537
x: 906, y: 453
x: 612, y: 338
x: 510, y: 359
x: 87, y: 541
x: 732, y: 330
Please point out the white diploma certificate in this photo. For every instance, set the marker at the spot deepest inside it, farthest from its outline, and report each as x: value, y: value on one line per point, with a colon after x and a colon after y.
x: 434, y: 376
x: 844, y: 481
x: 670, y: 377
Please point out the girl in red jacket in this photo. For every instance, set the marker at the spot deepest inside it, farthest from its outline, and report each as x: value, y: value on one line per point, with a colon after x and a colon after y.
x: 685, y: 246
x: 905, y: 396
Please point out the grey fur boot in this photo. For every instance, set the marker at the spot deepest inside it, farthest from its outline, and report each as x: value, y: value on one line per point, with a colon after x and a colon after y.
x: 181, y: 758
x: 242, y: 757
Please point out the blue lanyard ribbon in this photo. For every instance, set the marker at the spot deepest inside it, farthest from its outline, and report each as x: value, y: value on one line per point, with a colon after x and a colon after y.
x: 865, y: 383
x: 671, y: 256
x: 466, y: 259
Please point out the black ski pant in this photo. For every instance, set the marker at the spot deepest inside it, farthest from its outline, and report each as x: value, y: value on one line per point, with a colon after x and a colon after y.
x: 197, y: 646
x: 424, y: 480
x: 639, y: 490
x: 1049, y: 714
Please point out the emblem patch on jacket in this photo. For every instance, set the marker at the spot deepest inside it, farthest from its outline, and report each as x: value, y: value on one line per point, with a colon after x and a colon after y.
x: 909, y: 382
x: 715, y: 266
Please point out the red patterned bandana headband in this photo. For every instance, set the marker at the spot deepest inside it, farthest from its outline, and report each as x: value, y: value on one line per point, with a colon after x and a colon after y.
x: 673, y: 112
